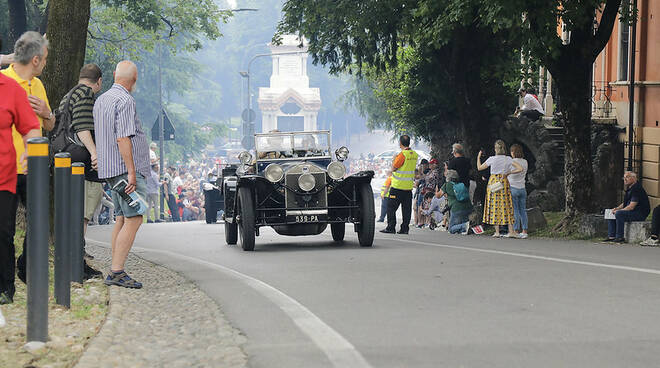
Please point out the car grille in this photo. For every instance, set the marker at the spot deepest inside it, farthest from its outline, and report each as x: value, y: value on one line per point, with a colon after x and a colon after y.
x: 294, y: 200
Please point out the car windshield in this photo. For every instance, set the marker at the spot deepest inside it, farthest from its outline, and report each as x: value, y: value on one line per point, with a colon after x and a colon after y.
x: 292, y: 145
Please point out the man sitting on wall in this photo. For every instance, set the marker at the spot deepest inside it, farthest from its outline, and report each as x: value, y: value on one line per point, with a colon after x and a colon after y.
x: 635, y: 207
x: 531, y: 108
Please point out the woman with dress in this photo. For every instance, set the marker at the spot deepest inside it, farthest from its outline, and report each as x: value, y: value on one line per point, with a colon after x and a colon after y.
x: 498, y: 208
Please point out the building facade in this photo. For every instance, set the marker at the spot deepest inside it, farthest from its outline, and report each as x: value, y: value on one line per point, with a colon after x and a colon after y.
x: 289, y: 104
x: 611, y: 97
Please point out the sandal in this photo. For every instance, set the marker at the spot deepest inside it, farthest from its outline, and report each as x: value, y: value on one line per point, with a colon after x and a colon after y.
x: 122, y: 279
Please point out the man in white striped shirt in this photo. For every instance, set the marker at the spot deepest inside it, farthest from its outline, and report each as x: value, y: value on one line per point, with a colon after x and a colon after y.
x: 123, y: 154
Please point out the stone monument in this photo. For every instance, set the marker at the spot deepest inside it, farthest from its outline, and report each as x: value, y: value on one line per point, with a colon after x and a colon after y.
x: 289, y: 104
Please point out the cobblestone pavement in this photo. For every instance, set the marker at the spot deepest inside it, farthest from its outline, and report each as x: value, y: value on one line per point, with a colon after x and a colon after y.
x: 167, y: 323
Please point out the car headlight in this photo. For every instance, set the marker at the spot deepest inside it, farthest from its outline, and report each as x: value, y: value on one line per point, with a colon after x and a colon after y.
x: 341, y: 153
x: 306, y: 182
x: 336, y: 170
x: 274, y: 173
x: 245, y: 157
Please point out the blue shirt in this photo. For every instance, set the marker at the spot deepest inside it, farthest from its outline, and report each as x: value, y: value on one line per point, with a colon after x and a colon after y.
x: 152, y: 182
x: 115, y: 117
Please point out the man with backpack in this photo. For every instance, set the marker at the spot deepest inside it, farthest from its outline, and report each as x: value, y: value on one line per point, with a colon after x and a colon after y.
x: 74, y: 133
x: 460, y: 206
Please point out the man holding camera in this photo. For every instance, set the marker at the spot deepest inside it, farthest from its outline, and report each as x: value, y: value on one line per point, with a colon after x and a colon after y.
x: 123, y: 156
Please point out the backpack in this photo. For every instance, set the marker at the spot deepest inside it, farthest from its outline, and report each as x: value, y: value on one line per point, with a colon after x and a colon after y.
x: 61, y: 137
x: 461, y: 192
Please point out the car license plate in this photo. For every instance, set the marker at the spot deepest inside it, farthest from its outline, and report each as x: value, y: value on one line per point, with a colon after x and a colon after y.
x: 307, y: 218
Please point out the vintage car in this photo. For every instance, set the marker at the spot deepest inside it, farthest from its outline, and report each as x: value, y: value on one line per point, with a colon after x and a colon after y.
x: 294, y: 186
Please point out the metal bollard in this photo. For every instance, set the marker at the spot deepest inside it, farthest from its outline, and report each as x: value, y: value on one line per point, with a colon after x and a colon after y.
x: 77, y: 212
x: 38, y: 229
x: 62, y: 229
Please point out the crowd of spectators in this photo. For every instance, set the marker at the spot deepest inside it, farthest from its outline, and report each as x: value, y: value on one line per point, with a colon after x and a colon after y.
x: 379, y: 166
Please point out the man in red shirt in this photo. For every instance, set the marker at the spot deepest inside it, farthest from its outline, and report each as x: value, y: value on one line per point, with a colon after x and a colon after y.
x: 15, y: 111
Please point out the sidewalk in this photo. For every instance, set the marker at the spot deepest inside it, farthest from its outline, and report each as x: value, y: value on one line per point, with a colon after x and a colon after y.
x: 167, y: 323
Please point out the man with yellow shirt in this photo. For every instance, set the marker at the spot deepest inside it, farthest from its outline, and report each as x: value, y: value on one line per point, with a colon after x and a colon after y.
x: 403, y: 180
x: 30, y: 53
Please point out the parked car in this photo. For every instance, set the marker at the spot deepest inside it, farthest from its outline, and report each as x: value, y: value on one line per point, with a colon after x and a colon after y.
x: 294, y: 186
x: 214, y: 196
x: 386, y: 155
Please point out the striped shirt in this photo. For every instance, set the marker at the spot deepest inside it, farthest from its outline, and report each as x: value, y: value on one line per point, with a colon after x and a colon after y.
x: 81, y: 108
x: 115, y: 117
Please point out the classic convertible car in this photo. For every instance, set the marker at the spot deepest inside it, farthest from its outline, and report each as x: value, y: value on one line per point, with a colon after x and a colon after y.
x: 294, y: 186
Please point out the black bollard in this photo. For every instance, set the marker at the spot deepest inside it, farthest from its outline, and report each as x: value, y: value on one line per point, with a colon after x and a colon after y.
x: 77, y: 212
x: 62, y: 229
x: 38, y: 229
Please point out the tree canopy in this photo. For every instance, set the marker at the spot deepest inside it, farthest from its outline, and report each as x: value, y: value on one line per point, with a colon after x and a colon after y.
x: 438, y: 65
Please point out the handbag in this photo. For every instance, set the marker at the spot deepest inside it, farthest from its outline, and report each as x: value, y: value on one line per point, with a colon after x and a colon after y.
x: 495, y: 187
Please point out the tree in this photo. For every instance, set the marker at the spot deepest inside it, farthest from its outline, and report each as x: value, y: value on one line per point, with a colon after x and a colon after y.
x: 439, y: 67
x: 17, y: 19
x: 67, y: 35
x: 590, y: 25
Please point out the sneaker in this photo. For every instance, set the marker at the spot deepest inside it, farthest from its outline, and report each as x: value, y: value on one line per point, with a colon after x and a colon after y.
x: 467, y: 228
x: 121, y: 279
x: 90, y: 273
x: 650, y: 242
x: 607, y: 240
x: 387, y: 231
x: 510, y: 235
x: 522, y: 236
x: 619, y: 240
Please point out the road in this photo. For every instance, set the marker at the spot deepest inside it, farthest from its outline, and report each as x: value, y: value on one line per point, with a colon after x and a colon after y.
x: 429, y: 299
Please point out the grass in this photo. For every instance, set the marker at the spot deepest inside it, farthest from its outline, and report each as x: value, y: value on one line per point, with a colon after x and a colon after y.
x: 553, y: 218
x: 68, y: 329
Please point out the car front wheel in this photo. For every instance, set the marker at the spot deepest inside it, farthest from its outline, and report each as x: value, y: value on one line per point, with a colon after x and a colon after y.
x: 367, y: 216
x: 247, y: 218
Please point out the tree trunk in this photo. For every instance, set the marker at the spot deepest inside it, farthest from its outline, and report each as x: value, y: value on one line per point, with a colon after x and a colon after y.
x: 17, y: 21
x: 573, y: 83
x: 67, y: 35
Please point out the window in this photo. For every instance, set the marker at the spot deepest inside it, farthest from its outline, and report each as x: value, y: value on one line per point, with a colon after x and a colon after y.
x: 624, y: 49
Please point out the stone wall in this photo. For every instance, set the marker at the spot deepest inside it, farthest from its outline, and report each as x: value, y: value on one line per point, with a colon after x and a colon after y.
x: 544, y: 147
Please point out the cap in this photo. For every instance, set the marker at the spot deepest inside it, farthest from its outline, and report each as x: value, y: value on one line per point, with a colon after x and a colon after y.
x: 433, y: 161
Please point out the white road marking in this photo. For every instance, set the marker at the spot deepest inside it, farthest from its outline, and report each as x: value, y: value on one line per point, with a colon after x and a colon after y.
x: 338, y: 350
x: 531, y: 256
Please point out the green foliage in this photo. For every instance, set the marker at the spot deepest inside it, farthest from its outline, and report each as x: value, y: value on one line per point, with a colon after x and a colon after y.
x: 434, y: 69
x: 162, y: 32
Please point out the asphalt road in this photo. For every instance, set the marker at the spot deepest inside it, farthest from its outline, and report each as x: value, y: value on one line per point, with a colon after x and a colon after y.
x: 428, y: 299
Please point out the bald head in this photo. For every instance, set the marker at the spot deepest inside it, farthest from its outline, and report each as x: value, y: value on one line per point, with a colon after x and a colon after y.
x: 126, y: 74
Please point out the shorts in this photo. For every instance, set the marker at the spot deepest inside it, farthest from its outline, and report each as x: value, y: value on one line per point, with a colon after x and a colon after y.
x: 121, y: 206
x: 93, y: 196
